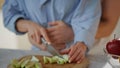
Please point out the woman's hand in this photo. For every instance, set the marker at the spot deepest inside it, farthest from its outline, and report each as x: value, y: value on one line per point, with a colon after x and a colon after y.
x: 59, y: 32
x: 76, y: 52
x: 35, y: 32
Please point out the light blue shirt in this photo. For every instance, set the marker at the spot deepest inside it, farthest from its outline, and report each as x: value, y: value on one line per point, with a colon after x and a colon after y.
x: 82, y: 15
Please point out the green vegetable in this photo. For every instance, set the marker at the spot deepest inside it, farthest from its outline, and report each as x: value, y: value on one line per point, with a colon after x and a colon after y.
x: 66, y: 58
x: 38, y: 65
x: 56, y: 59
x: 14, y: 62
x: 26, y: 62
x: 34, y: 59
x: 45, y: 60
x: 22, y: 62
x: 50, y: 60
x: 61, y: 61
x: 30, y: 64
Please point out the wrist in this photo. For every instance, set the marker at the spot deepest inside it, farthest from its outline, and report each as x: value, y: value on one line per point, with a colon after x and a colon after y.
x: 84, y: 46
x: 22, y: 25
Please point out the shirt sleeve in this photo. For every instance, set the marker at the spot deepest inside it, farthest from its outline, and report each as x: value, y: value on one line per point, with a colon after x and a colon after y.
x: 11, y: 13
x: 85, y: 21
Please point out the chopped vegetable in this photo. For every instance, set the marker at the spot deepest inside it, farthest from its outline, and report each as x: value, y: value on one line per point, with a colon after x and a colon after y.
x: 66, y: 58
x: 33, y: 62
x: 61, y: 61
x: 26, y: 62
x: 56, y: 59
x: 45, y: 60
x: 14, y: 62
x: 38, y: 65
x: 30, y: 64
x: 34, y: 59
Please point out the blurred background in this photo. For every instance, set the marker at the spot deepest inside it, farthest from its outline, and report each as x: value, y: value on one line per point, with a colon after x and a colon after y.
x: 109, y: 25
x: 9, y: 40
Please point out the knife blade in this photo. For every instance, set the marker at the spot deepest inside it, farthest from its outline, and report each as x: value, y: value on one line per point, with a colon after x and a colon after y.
x: 50, y: 48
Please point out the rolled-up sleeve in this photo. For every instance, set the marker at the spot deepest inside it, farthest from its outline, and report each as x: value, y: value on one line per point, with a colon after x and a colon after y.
x: 85, y: 21
x: 11, y: 13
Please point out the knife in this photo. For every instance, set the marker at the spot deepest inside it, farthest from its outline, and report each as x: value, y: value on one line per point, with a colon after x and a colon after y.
x: 50, y: 48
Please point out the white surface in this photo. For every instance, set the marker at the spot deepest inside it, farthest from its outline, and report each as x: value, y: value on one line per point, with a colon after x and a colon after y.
x: 97, y: 50
x: 7, y: 39
x: 10, y: 41
x: 116, y: 31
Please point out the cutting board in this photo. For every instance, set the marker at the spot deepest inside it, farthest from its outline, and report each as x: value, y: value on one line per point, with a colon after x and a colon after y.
x: 84, y: 64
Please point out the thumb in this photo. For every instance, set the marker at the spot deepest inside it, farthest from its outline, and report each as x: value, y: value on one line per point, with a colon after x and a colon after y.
x: 45, y: 36
x: 53, y: 23
x: 66, y: 51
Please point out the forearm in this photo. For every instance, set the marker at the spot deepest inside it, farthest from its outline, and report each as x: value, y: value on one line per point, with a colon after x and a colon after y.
x: 85, y: 24
x: 12, y: 11
x: 22, y: 25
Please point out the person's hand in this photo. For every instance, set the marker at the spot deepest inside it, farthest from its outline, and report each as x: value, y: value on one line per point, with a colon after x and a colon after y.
x: 76, y: 52
x: 35, y: 32
x: 59, y: 32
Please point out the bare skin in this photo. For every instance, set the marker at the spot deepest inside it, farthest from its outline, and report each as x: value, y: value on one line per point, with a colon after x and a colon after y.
x: 76, y: 52
x: 35, y: 32
x: 60, y: 32
x: 57, y: 35
x: 51, y: 34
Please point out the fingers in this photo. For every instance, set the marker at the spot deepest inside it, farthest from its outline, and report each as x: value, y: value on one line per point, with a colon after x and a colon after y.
x: 54, y: 33
x: 44, y: 34
x: 73, y: 54
x: 41, y: 46
x: 54, y: 26
x: 81, y: 59
x: 51, y: 29
x: 35, y: 32
x: 60, y: 32
x: 56, y: 37
x: 77, y: 53
x: 73, y: 49
x: 37, y: 37
x: 34, y: 36
x: 53, y: 23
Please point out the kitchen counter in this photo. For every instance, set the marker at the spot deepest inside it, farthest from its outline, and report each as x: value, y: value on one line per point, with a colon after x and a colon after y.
x: 97, y: 60
x: 7, y: 54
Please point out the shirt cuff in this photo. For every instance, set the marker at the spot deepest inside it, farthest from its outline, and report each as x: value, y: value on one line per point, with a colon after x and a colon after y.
x: 12, y: 25
x: 84, y: 36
